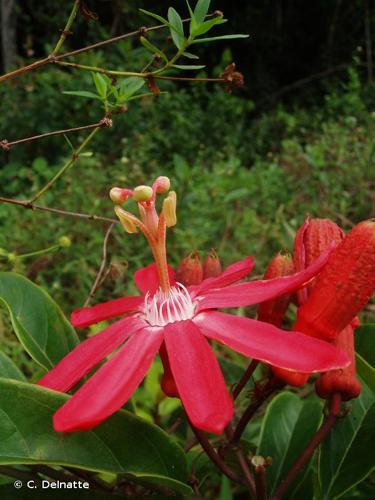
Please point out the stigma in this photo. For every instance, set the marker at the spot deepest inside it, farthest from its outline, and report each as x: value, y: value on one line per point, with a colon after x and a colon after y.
x: 168, y: 307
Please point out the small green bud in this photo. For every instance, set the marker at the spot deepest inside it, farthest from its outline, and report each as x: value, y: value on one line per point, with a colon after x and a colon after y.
x: 143, y: 193
x: 65, y: 241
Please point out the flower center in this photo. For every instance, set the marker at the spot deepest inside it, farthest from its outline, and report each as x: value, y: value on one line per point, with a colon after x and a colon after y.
x: 163, y: 308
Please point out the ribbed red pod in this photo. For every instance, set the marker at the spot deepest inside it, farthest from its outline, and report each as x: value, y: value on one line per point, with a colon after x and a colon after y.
x: 343, y: 287
x: 211, y: 265
x: 343, y: 381
x: 190, y: 270
x: 273, y: 311
x: 312, y: 239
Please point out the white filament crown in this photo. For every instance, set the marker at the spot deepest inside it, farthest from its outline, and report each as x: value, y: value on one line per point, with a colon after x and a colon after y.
x: 164, y: 308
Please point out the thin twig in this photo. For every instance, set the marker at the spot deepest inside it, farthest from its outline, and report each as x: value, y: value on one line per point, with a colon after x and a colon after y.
x: 7, y: 145
x: 66, y: 31
x: 245, y: 378
x: 242, y: 462
x: 98, y: 280
x: 51, y: 59
x: 18, y: 474
x: 324, y: 429
x: 33, y: 206
x: 272, y: 385
x: 214, y: 456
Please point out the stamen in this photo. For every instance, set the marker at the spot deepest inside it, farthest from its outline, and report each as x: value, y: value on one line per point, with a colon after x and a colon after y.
x: 164, y: 308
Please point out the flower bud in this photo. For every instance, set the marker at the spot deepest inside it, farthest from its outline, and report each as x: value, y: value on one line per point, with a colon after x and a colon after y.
x: 343, y: 287
x: 211, y: 265
x: 273, y: 311
x: 143, y: 193
x: 312, y: 239
x: 65, y: 241
x: 169, y: 209
x: 343, y: 381
x: 190, y: 270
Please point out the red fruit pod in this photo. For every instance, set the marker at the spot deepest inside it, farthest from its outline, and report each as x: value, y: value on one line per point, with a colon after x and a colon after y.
x: 273, y: 311
x: 295, y: 379
x: 343, y: 381
x: 190, y: 270
x: 212, y: 265
x: 313, y: 238
x: 343, y: 287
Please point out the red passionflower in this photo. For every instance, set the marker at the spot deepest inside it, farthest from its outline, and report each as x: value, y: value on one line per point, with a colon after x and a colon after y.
x: 178, y: 320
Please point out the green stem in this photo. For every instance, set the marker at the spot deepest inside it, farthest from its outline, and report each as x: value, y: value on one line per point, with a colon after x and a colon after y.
x: 85, y: 67
x: 66, y: 30
x: 39, y: 252
x: 67, y: 165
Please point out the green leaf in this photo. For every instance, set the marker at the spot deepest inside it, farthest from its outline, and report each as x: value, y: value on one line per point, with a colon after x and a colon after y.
x: 83, y: 93
x: 37, y: 320
x: 129, y: 86
x: 201, y: 10
x: 225, y: 489
x: 193, y: 21
x: 188, y: 66
x: 155, y: 16
x: 123, y: 444
x: 346, y: 456
x: 189, y: 55
x: 177, y: 29
x: 8, y: 369
x: 223, y: 37
x: 207, y: 25
x: 365, y: 353
x: 101, y: 84
x: 152, y: 48
x: 287, y: 428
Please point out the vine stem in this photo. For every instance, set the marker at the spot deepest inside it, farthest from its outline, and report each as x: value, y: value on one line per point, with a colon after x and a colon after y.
x: 33, y: 206
x: 214, y: 456
x: 328, y: 423
x: 66, y: 30
x: 245, y: 378
x: 51, y: 59
x: 241, y: 459
x: 272, y: 385
x: 68, y: 164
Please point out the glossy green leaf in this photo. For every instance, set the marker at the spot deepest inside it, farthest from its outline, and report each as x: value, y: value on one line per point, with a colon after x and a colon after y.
x: 37, y: 320
x: 225, y: 489
x: 123, y: 444
x: 287, y: 428
x: 177, y: 29
x: 129, y: 86
x: 8, y: 369
x: 201, y: 10
x: 216, y: 38
x: 189, y: 55
x: 365, y: 353
x: 346, y: 456
x: 82, y: 93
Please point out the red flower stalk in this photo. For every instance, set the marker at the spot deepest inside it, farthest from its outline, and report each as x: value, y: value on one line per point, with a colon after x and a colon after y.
x: 181, y: 319
x: 344, y: 380
x: 212, y: 265
x: 313, y: 238
x: 273, y: 311
x: 190, y: 270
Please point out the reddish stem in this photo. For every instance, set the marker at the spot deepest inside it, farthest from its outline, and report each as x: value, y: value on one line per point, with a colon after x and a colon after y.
x: 245, y: 378
x: 322, y: 432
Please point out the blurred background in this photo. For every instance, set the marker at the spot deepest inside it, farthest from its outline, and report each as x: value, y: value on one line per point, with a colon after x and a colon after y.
x: 247, y: 167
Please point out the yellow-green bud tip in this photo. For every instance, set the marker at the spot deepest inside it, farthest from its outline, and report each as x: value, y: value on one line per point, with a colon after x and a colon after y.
x: 143, y: 193
x: 64, y: 241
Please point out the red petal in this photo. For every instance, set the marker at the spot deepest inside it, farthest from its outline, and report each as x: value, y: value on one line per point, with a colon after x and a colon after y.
x: 87, y: 316
x: 198, y: 377
x: 147, y: 278
x: 254, y: 292
x: 230, y: 275
x: 111, y: 386
x: 290, y: 350
x: 88, y: 354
